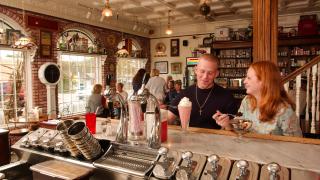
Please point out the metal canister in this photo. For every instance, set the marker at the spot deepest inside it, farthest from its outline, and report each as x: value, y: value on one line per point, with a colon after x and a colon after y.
x: 63, y: 127
x: 84, y: 140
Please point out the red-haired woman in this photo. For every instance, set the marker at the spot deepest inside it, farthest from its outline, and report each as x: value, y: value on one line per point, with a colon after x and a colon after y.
x: 267, y: 104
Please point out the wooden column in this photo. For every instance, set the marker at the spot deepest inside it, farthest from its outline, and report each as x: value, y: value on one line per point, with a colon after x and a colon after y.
x: 265, y: 30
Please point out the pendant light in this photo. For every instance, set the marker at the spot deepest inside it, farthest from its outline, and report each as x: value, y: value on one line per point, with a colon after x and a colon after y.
x: 123, y: 52
x: 107, y: 11
x: 169, y: 30
x: 24, y: 41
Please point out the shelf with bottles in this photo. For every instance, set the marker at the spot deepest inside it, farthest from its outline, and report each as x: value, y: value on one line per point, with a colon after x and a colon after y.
x: 235, y: 58
x: 233, y: 73
x: 295, y: 52
x: 235, y: 53
x: 234, y: 63
x: 233, y: 84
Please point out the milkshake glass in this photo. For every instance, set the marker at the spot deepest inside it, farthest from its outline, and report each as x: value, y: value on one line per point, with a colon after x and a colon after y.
x: 184, y: 108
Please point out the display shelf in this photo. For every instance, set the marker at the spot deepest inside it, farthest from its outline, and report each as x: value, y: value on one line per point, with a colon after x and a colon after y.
x: 79, y: 52
x: 235, y: 58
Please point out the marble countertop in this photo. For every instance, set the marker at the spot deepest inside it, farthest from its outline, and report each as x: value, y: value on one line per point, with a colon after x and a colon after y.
x: 288, y: 154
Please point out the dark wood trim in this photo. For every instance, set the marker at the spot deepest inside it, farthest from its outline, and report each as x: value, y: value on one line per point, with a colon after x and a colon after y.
x: 265, y: 18
x: 290, y: 41
x: 299, y: 40
x: 231, y: 44
x: 295, y: 73
x: 274, y: 31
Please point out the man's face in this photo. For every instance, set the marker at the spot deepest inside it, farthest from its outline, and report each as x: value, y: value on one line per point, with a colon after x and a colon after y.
x: 177, y: 87
x: 206, y: 72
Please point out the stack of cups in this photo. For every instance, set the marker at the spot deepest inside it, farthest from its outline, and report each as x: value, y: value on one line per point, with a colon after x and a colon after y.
x: 62, y: 128
x: 83, y: 139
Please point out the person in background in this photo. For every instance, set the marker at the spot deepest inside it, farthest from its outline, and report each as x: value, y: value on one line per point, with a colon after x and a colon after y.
x: 177, y: 86
x: 267, y: 104
x: 168, y: 79
x: 206, y: 96
x: 171, y: 92
x: 157, y: 85
x: 120, y: 90
x: 96, y: 102
x: 137, y: 80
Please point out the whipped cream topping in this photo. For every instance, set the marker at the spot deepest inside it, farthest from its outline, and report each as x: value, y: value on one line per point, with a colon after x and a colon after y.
x: 185, y: 102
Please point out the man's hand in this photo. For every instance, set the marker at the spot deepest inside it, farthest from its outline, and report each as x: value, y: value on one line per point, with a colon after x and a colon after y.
x: 222, y: 120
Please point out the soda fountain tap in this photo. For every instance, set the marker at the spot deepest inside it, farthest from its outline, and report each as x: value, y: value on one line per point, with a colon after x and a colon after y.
x: 152, y: 118
x: 243, y: 166
x: 122, y: 130
x: 213, y: 160
x: 273, y: 169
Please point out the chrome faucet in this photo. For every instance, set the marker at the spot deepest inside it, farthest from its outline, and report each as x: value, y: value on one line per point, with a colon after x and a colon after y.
x: 152, y: 112
x: 122, y: 130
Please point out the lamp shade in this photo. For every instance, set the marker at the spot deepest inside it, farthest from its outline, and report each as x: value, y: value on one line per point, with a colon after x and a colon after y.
x: 168, y: 31
x: 204, y: 9
x: 107, y: 12
x: 123, y: 52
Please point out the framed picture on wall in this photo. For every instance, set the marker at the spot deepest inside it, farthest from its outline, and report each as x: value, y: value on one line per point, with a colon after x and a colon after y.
x: 176, y: 68
x: 13, y: 36
x: 162, y: 66
x: 174, y: 47
x: 45, y: 44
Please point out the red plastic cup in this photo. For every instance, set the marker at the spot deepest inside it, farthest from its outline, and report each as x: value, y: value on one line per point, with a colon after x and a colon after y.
x: 164, y: 130
x: 91, y: 122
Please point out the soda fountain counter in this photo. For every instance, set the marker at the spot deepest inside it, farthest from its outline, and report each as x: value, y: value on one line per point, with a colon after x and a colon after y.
x: 197, y: 154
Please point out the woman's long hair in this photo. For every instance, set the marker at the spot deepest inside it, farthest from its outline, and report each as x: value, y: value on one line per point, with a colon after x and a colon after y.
x: 273, y: 95
x: 139, y: 75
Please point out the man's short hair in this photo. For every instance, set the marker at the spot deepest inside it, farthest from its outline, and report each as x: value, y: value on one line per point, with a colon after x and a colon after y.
x: 210, y: 57
x: 178, y: 82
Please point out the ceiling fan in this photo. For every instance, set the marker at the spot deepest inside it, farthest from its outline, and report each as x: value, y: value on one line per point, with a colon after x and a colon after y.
x: 205, y: 10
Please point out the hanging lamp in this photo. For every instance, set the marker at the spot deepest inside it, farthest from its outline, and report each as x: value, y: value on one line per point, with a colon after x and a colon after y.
x: 24, y: 41
x: 107, y: 11
x: 169, y: 30
x: 123, y: 52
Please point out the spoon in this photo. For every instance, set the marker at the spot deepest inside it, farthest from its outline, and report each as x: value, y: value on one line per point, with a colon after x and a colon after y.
x: 174, y: 107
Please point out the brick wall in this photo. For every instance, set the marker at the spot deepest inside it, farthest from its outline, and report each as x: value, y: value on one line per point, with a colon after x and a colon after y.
x: 101, y: 34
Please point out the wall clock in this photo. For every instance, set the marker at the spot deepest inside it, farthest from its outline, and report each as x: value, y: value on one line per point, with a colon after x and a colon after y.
x: 160, y: 47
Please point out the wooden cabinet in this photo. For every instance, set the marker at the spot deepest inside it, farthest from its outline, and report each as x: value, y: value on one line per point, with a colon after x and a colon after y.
x: 294, y: 52
x: 235, y: 58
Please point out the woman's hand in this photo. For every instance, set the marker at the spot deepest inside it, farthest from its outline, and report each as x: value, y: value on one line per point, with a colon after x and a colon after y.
x: 222, y: 120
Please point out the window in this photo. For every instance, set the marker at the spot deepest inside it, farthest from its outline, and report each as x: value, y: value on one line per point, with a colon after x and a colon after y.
x: 126, y: 69
x: 79, y: 74
x: 13, y: 80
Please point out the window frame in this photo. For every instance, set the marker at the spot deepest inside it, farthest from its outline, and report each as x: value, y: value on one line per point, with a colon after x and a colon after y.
x: 99, y: 61
x: 28, y: 91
